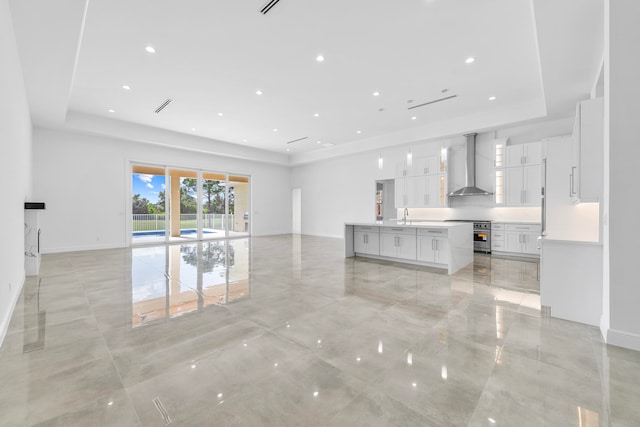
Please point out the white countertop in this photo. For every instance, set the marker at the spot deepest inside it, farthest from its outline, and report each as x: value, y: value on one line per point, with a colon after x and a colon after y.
x: 417, y: 224
x: 516, y: 222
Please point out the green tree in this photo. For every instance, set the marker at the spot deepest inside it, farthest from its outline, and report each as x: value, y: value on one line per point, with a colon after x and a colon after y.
x: 159, y: 206
x: 140, y: 204
x: 213, y: 192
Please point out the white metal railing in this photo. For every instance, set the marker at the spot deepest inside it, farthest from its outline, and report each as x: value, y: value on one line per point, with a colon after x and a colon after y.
x: 156, y: 222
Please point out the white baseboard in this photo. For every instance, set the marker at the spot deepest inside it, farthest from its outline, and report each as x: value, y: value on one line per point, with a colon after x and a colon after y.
x: 4, y: 325
x: 623, y: 339
x: 81, y: 248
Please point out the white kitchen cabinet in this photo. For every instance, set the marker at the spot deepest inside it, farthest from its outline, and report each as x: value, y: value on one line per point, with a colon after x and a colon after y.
x: 366, y: 240
x: 498, y: 238
x: 398, y: 242
x: 586, y: 177
x: 431, y: 191
x: 524, y: 154
x: 427, y: 165
x: 522, y: 239
x: 523, y: 184
x: 433, y: 246
x: 406, y: 192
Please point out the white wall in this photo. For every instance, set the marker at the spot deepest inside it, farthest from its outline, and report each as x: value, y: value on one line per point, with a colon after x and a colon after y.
x: 622, y: 91
x: 15, y: 168
x: 342, y: 189
x: 85, y: 181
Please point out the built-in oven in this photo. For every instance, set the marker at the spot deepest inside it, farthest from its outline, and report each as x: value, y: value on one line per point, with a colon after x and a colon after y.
x: 482, y: 236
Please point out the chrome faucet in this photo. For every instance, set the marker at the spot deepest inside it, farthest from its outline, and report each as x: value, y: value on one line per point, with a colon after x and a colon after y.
x: 405, y: 215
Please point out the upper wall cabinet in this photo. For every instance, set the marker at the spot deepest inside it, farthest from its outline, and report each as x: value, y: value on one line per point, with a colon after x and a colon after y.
x: 423, y: 184
x: 524, y: 154
x: 523, y: 174
x: 587, y: 171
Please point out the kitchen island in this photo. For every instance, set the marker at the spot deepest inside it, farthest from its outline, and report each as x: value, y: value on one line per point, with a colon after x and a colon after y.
x: 434, y: 244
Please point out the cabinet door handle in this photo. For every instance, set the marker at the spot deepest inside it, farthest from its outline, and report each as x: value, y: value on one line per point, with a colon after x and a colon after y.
x: 573, y: 179
x: 570, y: 185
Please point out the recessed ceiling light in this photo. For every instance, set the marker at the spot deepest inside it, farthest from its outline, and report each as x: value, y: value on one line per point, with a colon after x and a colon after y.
x: 220, y: 114
x: 275, y: 129
x: 320, y: 58
x: 316, y: 115
x: 492, y: 98
x: 318, y: 142
x: 413, y: 118
x: 244, y: 140
x: 470, y: 60
x: 112, y: 111
x: 376, y: 93
x: 193, y: 128
x: 358, y: 131
x: 258, y: 92
x: 126, y: 87
x: 288, y: 149
x: 150, y: 49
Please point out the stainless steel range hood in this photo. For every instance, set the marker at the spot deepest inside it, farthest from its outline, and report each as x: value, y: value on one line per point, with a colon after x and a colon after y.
x: 470, y: 188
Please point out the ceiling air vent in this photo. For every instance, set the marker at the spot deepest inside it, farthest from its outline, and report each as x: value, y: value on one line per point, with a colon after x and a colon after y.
x: 267, y: 7
x: 296, y: 140
x: 164, y: 105
x: 432, y: 102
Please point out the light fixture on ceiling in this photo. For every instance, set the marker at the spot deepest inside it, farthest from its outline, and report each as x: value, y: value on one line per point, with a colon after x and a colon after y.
x: 318, y: 142
x: 220, y: 114
x: 380, y: 161
x: 150, y: 49
x: 112, y: 111
x: 358, y: 132
x: 413, y: 117
x: 275, y: 129
x: 320, y: 58
x: 288, y: 149
x: 376, y: 93
x: 258, y: 92
x: 244, y: 140
x: 126, y: 87
x: 470, y: 60
x: 316, y: 115
x: 193, y: 129
x: 492, y: 98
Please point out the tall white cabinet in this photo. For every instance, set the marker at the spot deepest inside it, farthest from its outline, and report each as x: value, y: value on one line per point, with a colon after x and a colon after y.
x: 523, y: 174
x: 423, y: 184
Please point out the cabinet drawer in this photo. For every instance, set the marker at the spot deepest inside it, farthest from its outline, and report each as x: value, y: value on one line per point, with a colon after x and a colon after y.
x: 398, y: 230
x: 436, y: 232
x: 497, y: 246
x: 497, y: 236
x: 495, y: 226
x: 524, y: 227
x: 366, y: 229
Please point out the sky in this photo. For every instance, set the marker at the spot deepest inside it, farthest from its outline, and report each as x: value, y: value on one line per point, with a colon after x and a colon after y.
x: 148, y: 186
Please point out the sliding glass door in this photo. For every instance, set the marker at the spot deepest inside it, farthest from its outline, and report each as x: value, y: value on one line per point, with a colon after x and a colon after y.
x: 172, y: 204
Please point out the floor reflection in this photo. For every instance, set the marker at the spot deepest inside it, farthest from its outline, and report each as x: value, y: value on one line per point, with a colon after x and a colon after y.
x: 171, y: 280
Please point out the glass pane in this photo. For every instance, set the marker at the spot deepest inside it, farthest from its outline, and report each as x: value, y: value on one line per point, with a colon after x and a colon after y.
x: 213, y: 215
x: 183, y: 212
x: 148, y: 204
x: 499, y: 192
x: 239, y: 206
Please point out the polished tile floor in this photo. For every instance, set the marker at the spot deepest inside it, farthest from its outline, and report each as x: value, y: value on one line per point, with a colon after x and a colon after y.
x: 283, y: 331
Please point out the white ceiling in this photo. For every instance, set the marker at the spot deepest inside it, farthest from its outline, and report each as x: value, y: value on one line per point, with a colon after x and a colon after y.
x: 537, y: 57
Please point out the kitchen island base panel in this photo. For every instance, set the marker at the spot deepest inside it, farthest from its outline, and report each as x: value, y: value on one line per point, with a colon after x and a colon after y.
x: 459, y: 248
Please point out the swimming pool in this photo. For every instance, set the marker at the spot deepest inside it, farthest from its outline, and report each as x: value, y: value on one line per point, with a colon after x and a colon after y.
x: 189, y: 231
